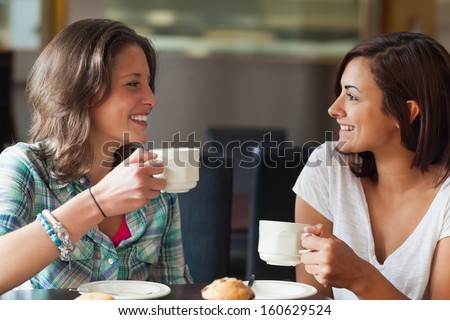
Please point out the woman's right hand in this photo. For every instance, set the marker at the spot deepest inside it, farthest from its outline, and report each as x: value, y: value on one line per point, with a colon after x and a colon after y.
x: 331, y: 261
x: 130, y: 185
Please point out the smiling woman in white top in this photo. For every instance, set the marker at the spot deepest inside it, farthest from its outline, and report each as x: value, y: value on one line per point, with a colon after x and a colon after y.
x: 379, y: 199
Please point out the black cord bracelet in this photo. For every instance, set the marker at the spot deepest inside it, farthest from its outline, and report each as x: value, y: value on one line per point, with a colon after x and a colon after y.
x: 96, y: 203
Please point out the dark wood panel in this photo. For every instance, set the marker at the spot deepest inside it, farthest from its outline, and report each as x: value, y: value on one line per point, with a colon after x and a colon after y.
x: 7, y: 134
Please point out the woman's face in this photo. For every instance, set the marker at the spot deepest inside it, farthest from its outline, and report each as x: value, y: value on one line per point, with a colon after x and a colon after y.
x: 358, y: 111
x: 124, y: 113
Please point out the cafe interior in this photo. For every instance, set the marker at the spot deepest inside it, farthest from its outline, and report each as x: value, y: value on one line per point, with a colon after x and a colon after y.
x: 240, y: 79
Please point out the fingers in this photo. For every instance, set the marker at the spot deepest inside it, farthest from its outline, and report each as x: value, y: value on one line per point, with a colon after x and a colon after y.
x: 315, y: 269
x: 318, y: 230
x: 153, y: 194
x: 156, y: 163
x: 303, y: 236
x: 140, y: 177
x: 157, y: 184
x: 315, y: 242
x: 153, y: 168
x: 308, y: 258
x: 139, y: 156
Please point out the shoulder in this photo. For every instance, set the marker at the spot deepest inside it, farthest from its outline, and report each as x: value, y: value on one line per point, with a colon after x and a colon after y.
x: 326, y: 167
x: 327, y: 160
x: 25, y: 162
x: 22, y: 151
x: 19, y: 155
x: 23, y: 156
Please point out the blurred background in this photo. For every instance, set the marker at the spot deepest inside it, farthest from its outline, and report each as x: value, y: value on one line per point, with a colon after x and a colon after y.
x: 239, y: 63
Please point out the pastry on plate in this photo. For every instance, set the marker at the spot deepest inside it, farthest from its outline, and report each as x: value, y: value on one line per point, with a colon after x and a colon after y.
x: 227, y: 289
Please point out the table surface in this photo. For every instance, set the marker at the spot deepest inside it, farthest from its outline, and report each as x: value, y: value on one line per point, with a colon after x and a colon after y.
x: 178, y: 292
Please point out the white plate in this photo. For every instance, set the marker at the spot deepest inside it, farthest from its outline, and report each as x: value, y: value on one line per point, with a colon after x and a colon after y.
x: 127, y: 289
x: 276, y: 290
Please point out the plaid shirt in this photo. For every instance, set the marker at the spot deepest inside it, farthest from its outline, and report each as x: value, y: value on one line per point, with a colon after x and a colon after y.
x: 153, y: 252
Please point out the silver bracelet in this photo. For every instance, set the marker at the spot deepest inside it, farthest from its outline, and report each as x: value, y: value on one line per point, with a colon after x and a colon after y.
x: 66, y: 245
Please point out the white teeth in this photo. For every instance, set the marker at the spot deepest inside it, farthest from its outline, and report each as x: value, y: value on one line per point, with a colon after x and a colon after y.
x: 138, y: 117
x: 347, y: 128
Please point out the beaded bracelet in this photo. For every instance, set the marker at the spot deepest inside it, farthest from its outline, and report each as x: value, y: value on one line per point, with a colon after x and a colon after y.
x: 57, y: 233
x: 49, y: 230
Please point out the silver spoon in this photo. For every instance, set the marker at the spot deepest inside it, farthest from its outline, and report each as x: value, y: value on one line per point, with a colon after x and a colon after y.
x: 251, y: 280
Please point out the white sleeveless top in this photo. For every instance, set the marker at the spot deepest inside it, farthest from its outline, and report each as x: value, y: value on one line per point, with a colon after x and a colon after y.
x: 329, y: 186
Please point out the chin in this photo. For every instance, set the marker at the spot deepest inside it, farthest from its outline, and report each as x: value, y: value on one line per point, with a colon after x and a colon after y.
x: 142, y: 139
x: 344, y: 147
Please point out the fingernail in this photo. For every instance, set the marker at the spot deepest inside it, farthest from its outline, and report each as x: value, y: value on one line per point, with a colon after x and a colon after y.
x: 156, y: 163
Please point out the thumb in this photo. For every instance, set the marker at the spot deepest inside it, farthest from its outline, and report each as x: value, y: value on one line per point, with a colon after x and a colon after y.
x: 319, y: 230
x: 139, y: 156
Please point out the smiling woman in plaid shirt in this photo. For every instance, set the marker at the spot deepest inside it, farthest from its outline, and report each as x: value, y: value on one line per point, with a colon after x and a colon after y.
x: 67, y: 216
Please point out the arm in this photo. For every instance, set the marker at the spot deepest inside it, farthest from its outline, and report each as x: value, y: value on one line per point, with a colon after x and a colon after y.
x: 440, y: 272
x: 27, y: 250
x: 332, y: 263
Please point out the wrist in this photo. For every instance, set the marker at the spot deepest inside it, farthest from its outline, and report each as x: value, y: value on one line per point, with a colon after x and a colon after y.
x: 97, y: 204
x: 363, y: 276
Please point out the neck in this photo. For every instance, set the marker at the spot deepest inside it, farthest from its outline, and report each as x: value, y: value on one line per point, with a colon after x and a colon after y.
x: 101, y: 164
x: 396, y: 174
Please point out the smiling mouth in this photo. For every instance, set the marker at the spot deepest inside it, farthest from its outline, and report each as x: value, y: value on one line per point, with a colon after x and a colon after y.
x: 345, y: 127
x: 140, y: 118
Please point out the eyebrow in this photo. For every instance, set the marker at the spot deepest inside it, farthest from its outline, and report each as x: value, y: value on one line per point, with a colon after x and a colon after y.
x: 350, y: 86
x: 135, y: 74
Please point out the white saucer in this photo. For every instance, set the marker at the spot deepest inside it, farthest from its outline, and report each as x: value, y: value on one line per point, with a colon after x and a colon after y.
x: 127, y: 289
x: 281, y: 290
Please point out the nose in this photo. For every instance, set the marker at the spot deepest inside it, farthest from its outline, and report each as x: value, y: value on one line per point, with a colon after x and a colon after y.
x: 336, y: 110
x: 149, y: 97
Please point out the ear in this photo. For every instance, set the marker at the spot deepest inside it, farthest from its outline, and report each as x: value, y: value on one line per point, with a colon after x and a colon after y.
x: 99, y: 95
x: 414, y: 109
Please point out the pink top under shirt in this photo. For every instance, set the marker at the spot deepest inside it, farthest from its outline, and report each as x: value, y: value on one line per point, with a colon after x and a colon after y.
x: 122, y: 234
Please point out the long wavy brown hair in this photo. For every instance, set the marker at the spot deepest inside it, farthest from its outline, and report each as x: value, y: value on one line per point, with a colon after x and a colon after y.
x: 409, y: 66
x: 62, y: 84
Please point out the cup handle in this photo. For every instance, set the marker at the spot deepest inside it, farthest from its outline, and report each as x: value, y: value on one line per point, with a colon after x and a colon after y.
x: 304, y: 235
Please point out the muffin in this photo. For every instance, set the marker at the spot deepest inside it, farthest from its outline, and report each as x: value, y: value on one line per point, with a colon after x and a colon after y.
x: 95, y: 296
x: 227, y: 289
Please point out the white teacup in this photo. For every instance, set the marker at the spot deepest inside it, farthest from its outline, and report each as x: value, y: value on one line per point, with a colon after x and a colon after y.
x: 181, y: 168
x: 280, y: 243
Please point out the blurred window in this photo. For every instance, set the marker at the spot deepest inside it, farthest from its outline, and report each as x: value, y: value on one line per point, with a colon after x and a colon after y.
x: 299, y: 28
x: 20, y: 24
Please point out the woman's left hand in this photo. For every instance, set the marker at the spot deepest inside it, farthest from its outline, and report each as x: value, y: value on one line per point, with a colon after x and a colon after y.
x: 331, y: 261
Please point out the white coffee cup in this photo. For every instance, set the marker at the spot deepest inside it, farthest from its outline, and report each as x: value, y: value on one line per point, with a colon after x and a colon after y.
x: 181, y: 168
x: 280, y: 243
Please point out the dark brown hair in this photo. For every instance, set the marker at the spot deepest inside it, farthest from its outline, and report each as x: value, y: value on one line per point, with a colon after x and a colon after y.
x: 409, y: 66
x: 63, y: 82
